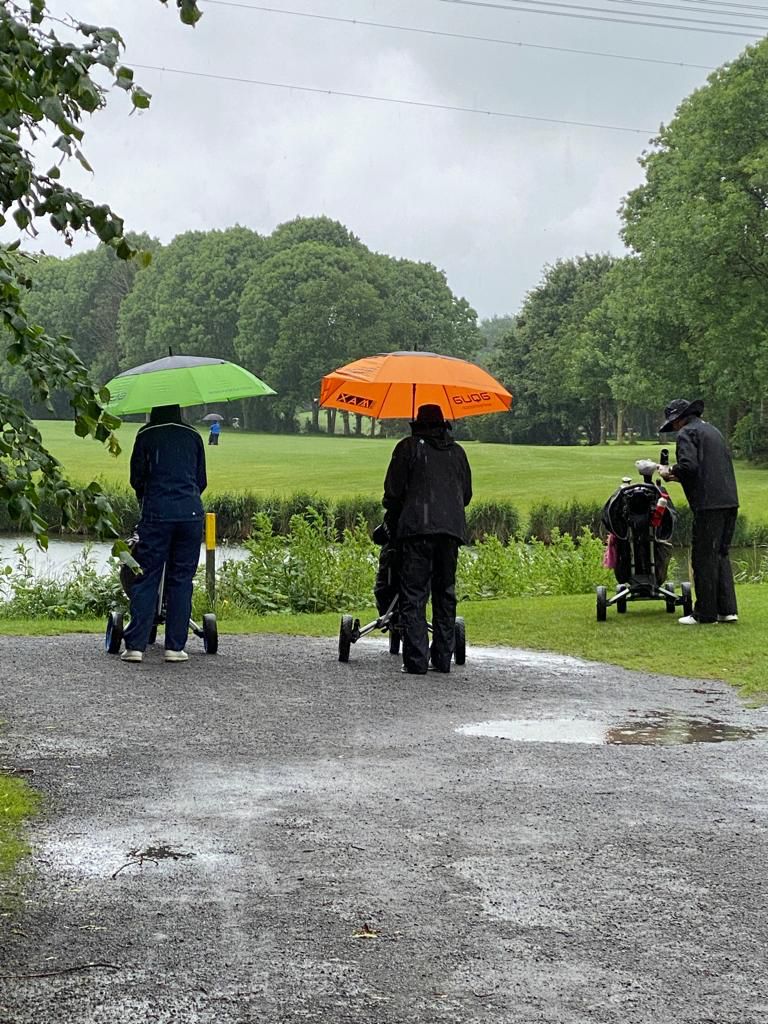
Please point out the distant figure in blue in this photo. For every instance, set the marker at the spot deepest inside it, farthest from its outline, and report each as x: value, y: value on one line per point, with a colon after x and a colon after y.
x: 168, y: 476
x: 213, y: 437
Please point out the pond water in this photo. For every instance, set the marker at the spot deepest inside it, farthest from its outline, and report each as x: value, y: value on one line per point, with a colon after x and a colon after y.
x: 62, y: 553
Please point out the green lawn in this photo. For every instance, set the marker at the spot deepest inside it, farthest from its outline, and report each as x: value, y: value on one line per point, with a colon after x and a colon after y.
x: 646, y: 638
x: 17, y: 802
x: 338, y: 466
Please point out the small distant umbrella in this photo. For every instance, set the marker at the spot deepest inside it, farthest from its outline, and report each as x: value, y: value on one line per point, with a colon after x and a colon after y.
x: 213, y: 417
x: 184, y: 381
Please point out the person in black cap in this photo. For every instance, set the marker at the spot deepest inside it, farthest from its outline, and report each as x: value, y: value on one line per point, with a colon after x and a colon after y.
x: 168, y: 475
x: 427, y: 487
x: 704, y: 468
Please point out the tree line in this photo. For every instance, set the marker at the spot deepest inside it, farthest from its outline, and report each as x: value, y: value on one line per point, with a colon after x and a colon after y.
x: 290, y: 307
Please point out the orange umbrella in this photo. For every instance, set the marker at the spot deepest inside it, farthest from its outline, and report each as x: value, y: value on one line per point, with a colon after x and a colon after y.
x: 393, y: 385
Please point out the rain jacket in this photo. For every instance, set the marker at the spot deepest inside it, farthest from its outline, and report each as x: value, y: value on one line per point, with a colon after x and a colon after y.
x: 704, y: 467
x: 428, y: 485
x: 168, y: 472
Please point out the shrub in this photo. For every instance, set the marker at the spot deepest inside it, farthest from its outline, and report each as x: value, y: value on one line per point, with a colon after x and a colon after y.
x: 563, y: 566
x: 492, y: 519
x: 307, y: 571
x: 572, y: 518
x: 348, y: 513
x: 81, y: 591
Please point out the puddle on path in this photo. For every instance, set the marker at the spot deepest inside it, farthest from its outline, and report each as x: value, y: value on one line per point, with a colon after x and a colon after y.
x: 656, y: 729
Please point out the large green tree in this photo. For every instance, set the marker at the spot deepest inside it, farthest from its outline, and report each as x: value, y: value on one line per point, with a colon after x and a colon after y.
x: 188, y: 298
x: 423, y: 312
x: 556, y: 368
x: 305, y: 310
x: 49, y: 82
x: 80, y: 297
x: 699, y: 225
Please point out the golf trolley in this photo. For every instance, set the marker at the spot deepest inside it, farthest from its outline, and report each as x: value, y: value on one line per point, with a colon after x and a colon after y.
x: 386, y: 594
x: 208, y: 631
x: 640, y: 520
x: 351, y: 631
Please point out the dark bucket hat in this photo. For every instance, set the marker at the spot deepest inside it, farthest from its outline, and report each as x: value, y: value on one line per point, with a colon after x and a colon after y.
x: 679, y: 408
x: 430, y: 416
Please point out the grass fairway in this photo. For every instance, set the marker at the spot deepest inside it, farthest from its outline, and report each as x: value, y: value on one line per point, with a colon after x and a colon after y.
x: 338, y: 467
x: 646, y: 638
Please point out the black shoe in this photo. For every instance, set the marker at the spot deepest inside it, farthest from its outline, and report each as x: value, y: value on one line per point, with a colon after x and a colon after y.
x: 412, y: 671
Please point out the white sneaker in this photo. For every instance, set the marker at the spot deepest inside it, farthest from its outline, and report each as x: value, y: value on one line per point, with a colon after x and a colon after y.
x: 727, y: 618
x: 691, y: 620
x: 128, y: 655
x: 176, y: 656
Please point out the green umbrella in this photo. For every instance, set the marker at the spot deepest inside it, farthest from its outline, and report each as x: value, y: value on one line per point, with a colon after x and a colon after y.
x: 181, y: 380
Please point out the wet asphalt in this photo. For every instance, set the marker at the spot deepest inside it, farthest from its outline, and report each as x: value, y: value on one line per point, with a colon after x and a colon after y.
x: 268, y: 835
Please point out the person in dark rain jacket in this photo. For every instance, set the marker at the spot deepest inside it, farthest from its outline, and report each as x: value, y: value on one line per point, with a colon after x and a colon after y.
x: 168, y: 476
x: 704, y: 467
x: 427, y: 487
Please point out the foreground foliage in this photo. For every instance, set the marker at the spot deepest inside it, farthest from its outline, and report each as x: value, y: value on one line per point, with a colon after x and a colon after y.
x: 49, y: 82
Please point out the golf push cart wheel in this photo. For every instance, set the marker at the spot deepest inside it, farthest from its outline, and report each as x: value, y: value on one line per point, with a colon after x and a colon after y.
x: 459, y: 641
x: 685, y: 589
x: 621, y: 604
x: 602, y: 603
x: 210, y: 634
x: 114, y: 635
x: 345, y: 637
x: 670, y: 602
x: 153, y: 635
x: 394, y: 641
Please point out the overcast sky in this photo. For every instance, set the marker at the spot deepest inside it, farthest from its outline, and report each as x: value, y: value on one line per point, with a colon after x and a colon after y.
x: 490, y: 200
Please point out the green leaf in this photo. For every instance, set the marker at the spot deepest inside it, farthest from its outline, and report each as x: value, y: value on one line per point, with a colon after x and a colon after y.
x: 140, y: 98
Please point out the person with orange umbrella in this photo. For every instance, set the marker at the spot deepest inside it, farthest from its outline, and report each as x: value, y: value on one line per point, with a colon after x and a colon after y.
x: 426, y: 490
x: 429, y: 482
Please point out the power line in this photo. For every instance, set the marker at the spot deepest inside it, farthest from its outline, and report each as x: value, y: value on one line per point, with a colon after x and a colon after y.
x: 456, y: 35
x: 601, y: 10
x: 593, y: 17
x: 678, y: 7
x: 391, y: 99
x: 734, y: 7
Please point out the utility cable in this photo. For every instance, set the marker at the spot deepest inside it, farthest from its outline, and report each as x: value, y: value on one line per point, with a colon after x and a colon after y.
x: 390, y: 99
x: 676, y: 7
x: 457, y: 35
x: 731, y: 8
x: 593, y: 17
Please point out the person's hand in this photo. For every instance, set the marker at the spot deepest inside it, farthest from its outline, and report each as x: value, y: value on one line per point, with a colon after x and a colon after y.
x: 665, y: 472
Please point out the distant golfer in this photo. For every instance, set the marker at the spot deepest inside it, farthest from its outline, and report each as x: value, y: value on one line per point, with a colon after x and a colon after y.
x: 427, y: 487
x: 703, y: 466
x: 213, y: 436
x: 168, y: 476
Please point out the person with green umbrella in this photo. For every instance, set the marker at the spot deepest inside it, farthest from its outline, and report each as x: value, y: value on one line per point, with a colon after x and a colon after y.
x: 168, y: 475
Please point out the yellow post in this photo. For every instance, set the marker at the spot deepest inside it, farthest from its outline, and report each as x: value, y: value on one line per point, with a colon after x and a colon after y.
x: 210, y: 556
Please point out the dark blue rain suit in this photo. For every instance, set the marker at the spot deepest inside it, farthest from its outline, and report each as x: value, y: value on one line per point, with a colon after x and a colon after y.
x: 704, y: 468
x: 168, y: 476
x: 427, y: 487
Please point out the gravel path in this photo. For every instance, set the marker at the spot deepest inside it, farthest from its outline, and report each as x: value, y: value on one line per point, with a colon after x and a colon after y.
x: 321, y: 844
